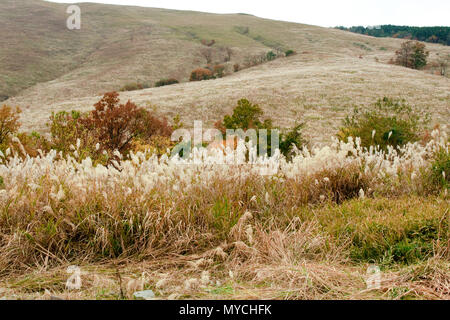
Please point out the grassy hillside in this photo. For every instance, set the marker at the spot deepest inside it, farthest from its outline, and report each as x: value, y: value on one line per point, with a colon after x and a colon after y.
x: 311, y: 227
x: 119, y: 44
x: 333, y: 70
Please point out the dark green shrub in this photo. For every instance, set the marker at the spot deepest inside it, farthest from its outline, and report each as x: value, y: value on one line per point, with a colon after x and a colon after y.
x: 289, y: 53
x: 135, y: 86
x: 166, y: 82
x: 440, y: 169
x: 245, y: 116
x: 271, y: 56
x: 387, y: 122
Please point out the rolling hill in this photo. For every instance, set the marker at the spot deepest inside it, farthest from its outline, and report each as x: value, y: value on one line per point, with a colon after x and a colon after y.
x: 45, y: 67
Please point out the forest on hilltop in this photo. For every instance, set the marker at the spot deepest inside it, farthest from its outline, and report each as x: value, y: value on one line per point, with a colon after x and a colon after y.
x: 428, y: 34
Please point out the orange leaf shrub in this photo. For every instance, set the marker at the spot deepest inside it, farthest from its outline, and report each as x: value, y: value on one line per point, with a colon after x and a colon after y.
x: 116, y: 124
x: 201, y: 74
x: 9, y: 122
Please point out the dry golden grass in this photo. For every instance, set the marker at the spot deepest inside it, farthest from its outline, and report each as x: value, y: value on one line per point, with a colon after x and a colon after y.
x: 320, y: 85
x: 297, y: 261
x: 320, y: 92
x: 302, y: 233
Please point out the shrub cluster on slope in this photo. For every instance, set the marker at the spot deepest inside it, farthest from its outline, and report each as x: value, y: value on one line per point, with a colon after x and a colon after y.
x: 412, y: 54
x: 247, y: 116
x: 388, y: 122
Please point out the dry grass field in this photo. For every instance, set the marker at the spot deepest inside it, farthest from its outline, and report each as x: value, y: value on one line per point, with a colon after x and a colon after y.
x: 332, y: 72
x: 188, y: 231
x: 192, y: 231
x: 318, y: 91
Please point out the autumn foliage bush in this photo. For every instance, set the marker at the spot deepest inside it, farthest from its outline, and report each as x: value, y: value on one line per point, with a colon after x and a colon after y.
x: 116, y: 124
x: 247, y: 115
x: 33, y: 144
x: 201, y: 74
x: 109, y: 127
x: 219, y: 70
x: 412, y: 54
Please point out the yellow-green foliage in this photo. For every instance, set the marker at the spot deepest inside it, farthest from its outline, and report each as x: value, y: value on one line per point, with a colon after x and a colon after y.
x: 71, y: 137
x: 9, y: 124
x: 387, y: 231
x: 440, y: 171
x: 387, y: 122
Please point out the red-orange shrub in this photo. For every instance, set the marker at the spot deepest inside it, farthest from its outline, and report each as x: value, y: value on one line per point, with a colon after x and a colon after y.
x: 201, y: 74
x: 9, y: 122
x: 116, y: 125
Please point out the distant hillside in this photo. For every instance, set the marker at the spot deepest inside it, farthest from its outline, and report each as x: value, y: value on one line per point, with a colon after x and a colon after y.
x: 118, y: 45
x: 121, y: 44
x: 45, y: 67
x: 428, y: 34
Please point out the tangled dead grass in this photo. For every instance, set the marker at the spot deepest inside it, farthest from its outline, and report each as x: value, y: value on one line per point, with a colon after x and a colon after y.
x: 296, y: 262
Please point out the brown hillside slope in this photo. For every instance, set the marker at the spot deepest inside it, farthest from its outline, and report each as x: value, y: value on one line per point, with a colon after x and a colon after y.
x: 333, y: 71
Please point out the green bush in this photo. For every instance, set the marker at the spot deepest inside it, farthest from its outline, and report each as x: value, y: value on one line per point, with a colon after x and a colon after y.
x: 271, y: 56
x: 440, y: 169
x: 66, y: 130
x: 293, y: 137
x: 412, y: 54
x: 387, y: 122
x: 200, y: 74
x: 246, y: 115
x: 135, y: 86
x: 166, y: 82
x: 289, y: 53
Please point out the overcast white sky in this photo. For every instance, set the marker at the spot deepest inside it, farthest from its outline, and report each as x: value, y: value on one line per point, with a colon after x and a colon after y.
x: 327, y: 13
